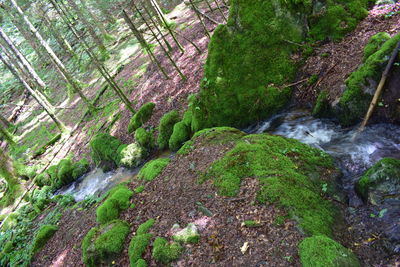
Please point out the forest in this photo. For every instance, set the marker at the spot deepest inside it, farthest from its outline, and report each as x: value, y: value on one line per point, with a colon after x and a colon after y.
x: 200, y: 133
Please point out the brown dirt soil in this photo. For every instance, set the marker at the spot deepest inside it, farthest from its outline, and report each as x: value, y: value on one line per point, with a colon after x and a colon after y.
x: 173, y: 197
x: 333, y: 62
x: 64, y: 248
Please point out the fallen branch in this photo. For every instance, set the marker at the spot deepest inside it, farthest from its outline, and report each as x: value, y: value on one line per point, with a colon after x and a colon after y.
x: 379, y: 90
x: 205, y: 15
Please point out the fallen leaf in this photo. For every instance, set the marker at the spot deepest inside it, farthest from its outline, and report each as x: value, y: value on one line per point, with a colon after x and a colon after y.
x: 245, y: 247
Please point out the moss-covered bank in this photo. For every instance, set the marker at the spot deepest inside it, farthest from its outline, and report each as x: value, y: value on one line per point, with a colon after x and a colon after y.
x: 249, y: 59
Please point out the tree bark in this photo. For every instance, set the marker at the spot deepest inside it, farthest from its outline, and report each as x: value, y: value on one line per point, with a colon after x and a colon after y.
x: 106, y: 13
x: 53, y: 56
x: 93, y: 18
x: 36, y: 95
x: 4, y: 121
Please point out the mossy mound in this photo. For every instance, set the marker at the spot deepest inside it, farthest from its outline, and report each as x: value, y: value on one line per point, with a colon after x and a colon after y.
x: 43, y: 235
x: 361, y: 85
x: 380, y: 181
x: 102, y: 244
x: 139, y: 243
x: 117, y: 200
x: 374, y: 44
x: 63, y: 173
x: 166, y: 127
x: 165, y: 252
x: 105, y: 150
x: 321, y: 251
x: 291, y: 174
x: 247, y: 69
x: 322, y: 108
x: 144, y: 138
x: 152, y: 169
x: 141, y: 116
x: 180, y: 134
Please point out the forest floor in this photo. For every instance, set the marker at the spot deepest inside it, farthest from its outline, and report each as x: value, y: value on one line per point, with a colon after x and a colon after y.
x: 173, y: 199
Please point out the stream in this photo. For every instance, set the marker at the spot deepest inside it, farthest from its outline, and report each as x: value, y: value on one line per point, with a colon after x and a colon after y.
x: 353, y: 156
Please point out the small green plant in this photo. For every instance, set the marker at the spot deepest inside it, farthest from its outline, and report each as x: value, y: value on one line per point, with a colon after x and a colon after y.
x: 164, y: 252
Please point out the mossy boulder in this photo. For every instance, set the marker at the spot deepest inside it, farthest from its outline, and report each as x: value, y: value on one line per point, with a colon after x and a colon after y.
x: 165, y: 252
x: 189, y: 234
x: 103, y: 244
x: 80, y: 168
x: 117, y: 200
x: 246, y: 70
x: 132, y: 155
x: 139, y: 243
x: 180, y: 134
x: 322, y: 108
x: 153, y: 168
x: 105, y: 150
x: 166, y: 127
x: 374, y: 44
x: 321, y: 251
x: 361, y: 85
x: 44, y: 233
x: 291, y: 174
x: 380, y: 181
x: 144, y: 138
x: 141, y: 116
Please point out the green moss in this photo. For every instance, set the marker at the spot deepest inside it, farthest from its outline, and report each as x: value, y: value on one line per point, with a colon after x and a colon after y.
x: 374, y: 44
x: 137, y: 247
x: 139, y: 189
x: 321, y: 251
x: 187, y: 118
x: 251, y: 223
x: 144, y: 227
x: 339, y: 18
x: 140, y: 263
x: 383, y: 171
x: 64, y: 173
x: 165, y: 128
x: 103, y: 244
x: 43, y: 179
x: 180, y: 134
x: 322, y: 108
x: 355, y: 101
x: 106, y: 148
x: 144, y: 138
x: 80, y: 168
x: 141, y: 117
x: 43, y: 235
x: 164, y: 252
x: 290, y: 174
x: 117, y: 200
x: 153, y: 168
x: 313, y: 79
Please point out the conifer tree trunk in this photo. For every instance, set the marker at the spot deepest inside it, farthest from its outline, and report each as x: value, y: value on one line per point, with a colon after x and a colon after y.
x: 143, y: 43
x: 104, y: 10
x: 53, y: 56
x: 62, y: 42
x: 36, y: 95
x: 9, y: 138
x: 93, y: 17
x: 103, y: 71
x: 199, y: 17
x: 96, y: 38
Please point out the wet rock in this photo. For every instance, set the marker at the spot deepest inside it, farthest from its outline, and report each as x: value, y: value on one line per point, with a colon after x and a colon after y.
x: 190, y: 234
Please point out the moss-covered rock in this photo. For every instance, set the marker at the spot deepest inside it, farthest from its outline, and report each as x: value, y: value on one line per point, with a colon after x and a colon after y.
x: 117, y: 200
x: 139, y: 243
x: 374, y: 44
x: 246, y: 69
x: 144, y: 138
x: 141, y: 116
x: 322, y: 108
x: 380, y: 181
x: 102, y: 244
x: 290, y: 174
x: 43, y: 179
x: 321, y: 251
x: 180, y: 134
x: 80, y: 168
x: 43, y: 235
x: 132, y: 155
x: 361, y: 85
x: 64, y: 173
x: 153, y: 168
x: 165, y: 252
x: 105, y: 150
x: 166, y: 127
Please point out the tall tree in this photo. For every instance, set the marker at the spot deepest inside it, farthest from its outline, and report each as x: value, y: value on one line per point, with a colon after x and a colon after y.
x: 104, y: 6
x: 76, y: 87
x: 35, y: 94
x: 100, y: 66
